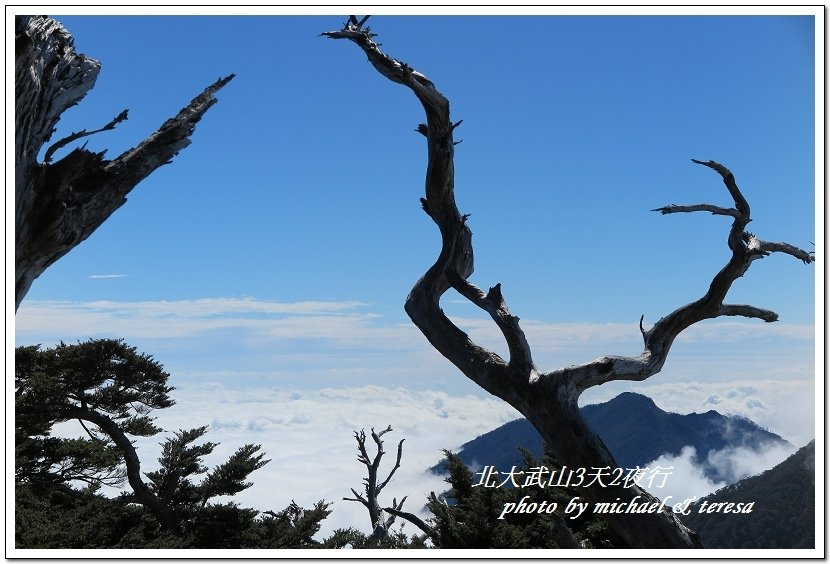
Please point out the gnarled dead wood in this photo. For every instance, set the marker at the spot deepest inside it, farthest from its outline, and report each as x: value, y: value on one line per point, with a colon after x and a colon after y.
x: 59, y: 204
x: 549, y: 399
x: 373, y: 485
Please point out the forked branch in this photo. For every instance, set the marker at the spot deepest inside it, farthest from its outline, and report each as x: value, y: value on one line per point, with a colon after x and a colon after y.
x: 372, y: 486
x: 745, y: 247
x: 59, y: 204
x: 415, y: 520
x: 47, y: 157
x: 549, y: 400
x: 455, y: 262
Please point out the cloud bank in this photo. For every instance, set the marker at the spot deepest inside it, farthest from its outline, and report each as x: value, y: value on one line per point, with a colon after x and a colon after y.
x: 263, y: 333
x: 300, y: 377
x: 689, y: 472
x: 309, y: 438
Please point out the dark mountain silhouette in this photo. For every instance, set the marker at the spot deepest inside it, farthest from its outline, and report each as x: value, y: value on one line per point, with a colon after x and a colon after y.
x: 783, y: 513
x: 636, y: 432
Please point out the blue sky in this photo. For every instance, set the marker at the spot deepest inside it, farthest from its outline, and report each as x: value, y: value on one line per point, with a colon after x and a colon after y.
x: 276, y: 251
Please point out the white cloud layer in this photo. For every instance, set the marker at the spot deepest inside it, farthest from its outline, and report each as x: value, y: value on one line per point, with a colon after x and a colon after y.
x: 300, y: 377
x: 763, y: 371
x: 323, y: 319
x: 309, y: 437
x: 688, y: 479
x: 257, y: 328
x: 183, y: 318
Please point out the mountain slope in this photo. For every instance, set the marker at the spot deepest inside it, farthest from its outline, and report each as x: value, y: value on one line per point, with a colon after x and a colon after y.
x: 634, y: 429
x: 783, y: 513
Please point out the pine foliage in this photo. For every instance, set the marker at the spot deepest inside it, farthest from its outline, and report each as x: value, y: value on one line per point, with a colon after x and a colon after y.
x: 112, y: 389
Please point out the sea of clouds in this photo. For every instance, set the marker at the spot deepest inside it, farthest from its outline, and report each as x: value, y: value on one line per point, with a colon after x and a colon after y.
x: 300, y: 378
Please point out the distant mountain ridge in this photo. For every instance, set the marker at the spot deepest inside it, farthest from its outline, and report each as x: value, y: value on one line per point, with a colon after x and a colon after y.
x: 636, y: 432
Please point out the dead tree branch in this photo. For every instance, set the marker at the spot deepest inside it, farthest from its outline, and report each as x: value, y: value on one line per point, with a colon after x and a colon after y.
x: 414, y: 519
x: 58, y: 205
x: 549, y: 400
x: 745, y: 248
x: 47, y: 157
x: 372, y: 486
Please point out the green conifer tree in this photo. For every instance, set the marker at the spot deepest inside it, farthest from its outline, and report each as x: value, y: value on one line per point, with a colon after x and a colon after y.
x: 111, y: 390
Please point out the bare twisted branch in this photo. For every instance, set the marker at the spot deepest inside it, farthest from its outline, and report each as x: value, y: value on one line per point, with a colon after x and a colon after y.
x: 414, y: 519
x: 745, y: 247
x: 549, y: 400
x: 455, y: 262
x: 372, y: 488
x: 59, y: 205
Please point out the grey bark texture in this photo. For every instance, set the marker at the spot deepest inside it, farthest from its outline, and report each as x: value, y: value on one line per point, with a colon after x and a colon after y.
x: 373, y: 485
x: 59, y: 204
x: 549, y: 399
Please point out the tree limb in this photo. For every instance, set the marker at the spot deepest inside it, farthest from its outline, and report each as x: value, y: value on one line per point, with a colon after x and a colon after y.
x: 357, y: 497
x: 745, y: 249
x: 83, y: 133
x: 767, y: 247
x: 88, y: 432
x: 362, y: 456
x: 380, y: 526
x: 549, y: 400
x: 715, y: 210
x: 58, y: 205
x: 729, y: 181
x: 142, y: 492
x: 455, y: 262
x: 397, y: 465
x: 414, y: 519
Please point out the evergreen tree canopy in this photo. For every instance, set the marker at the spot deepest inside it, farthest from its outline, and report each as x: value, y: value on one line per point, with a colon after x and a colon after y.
x: 467, y: 515
x: 99, y: 379
x: 111, y: 389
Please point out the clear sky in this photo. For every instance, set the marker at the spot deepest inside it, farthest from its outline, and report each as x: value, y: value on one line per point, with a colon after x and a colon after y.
x: 268, y: 265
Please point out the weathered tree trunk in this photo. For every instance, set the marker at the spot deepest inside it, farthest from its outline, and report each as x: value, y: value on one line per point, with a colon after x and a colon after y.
x: 549, y: 399
x: 373, y: 485
x: 58, y: 205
